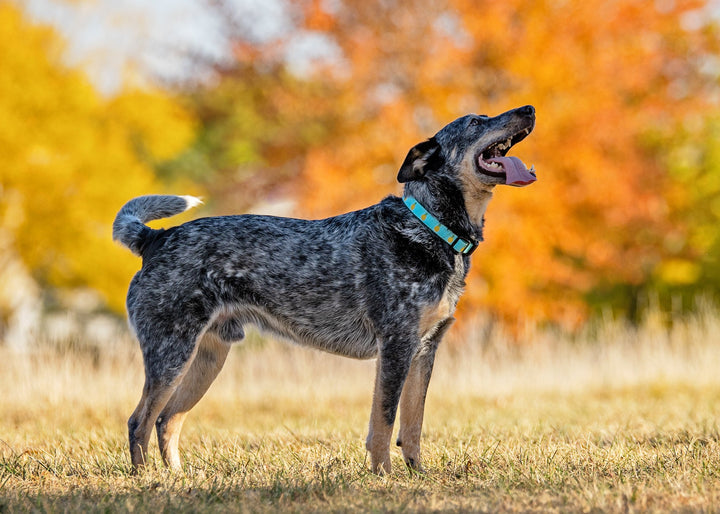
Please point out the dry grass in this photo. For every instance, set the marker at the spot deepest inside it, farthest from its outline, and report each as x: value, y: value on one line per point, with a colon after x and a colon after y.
x: 620, y: 420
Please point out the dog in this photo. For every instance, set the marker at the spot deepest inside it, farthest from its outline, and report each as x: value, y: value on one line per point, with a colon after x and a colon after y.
x: 379, y: 282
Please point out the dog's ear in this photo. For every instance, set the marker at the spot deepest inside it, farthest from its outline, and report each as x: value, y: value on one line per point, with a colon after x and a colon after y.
x: 421, y: 158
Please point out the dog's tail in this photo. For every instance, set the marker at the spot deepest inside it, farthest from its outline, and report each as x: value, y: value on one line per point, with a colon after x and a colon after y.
x: 129, y: 226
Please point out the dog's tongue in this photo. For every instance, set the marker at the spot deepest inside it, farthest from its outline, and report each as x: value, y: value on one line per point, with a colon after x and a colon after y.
x: 516, y: 172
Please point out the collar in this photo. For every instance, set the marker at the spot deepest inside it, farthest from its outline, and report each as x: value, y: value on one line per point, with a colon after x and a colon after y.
x: 456, y: 243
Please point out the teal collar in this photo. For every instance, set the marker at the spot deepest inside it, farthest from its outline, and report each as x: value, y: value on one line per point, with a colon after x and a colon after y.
x: 456, y: 243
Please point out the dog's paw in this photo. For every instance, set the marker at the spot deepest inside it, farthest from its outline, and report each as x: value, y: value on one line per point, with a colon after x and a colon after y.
x: 415, y: 466
x: 381, y: 466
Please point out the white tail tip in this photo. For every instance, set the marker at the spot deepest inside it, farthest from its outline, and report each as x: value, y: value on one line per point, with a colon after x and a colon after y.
x: 192, y: 201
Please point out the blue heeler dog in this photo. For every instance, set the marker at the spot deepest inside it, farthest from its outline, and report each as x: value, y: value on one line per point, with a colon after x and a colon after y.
x: 380, y: 282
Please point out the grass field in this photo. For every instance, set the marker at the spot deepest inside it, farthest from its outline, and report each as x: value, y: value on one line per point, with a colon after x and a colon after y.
x: 615, y: 420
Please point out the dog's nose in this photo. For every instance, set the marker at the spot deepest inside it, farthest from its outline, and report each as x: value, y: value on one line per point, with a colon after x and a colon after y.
x: 528, y: 110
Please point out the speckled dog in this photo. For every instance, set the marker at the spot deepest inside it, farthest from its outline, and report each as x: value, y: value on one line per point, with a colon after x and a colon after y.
x: 380, y: 282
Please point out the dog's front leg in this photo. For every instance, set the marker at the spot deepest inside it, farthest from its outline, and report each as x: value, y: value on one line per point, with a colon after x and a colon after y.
x: 392, y: 368
x: 412, y: 399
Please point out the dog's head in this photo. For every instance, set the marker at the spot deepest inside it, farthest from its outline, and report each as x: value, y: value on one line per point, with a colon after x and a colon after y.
x: 479, y: 143
x: 470, y: 153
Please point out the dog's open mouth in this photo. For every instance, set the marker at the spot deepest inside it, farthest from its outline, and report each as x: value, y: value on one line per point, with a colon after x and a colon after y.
x: 492, y: 161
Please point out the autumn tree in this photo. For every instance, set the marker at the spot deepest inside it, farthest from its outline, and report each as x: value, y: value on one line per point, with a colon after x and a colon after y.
x: 691, y: 154
x: 257, y: 122
x: 71, y: 158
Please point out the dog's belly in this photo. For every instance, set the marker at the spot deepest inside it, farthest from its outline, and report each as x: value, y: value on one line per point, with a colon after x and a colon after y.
x: 349, y: 336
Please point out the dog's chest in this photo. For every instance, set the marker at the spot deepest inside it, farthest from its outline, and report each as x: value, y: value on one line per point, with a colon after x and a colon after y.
x: 437, y: 313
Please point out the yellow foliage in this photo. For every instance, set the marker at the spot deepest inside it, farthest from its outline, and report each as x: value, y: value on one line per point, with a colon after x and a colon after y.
x: 679, y: 272
x: 71, y: 159
x: 157, y: 119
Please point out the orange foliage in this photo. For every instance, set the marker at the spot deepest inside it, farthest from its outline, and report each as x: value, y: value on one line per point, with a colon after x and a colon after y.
x: 601, y: 75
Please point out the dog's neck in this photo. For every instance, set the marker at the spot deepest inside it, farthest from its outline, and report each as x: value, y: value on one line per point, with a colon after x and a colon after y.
x: 462, y: 214
x: 477, y: 199
x: 457, y: 243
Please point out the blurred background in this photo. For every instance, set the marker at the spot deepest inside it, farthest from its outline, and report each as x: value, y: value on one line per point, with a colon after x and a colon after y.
x: 306, y: 108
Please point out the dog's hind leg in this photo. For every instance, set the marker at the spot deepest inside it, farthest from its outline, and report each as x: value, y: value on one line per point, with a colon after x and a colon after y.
x: 155, y: 396
x: 412, y: 399
x: 392, y: 367
x: 207, y: 363
x: 166, y: 361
